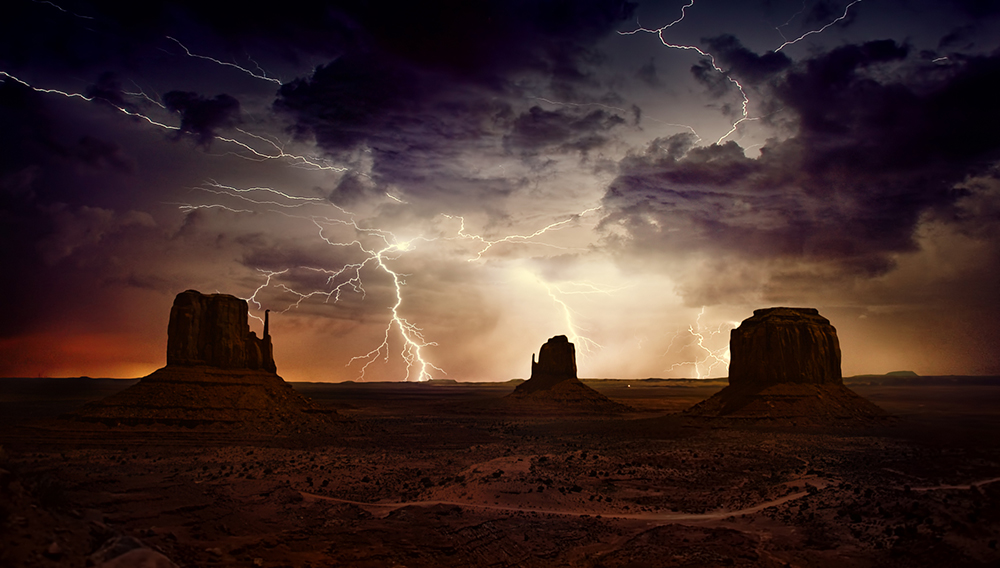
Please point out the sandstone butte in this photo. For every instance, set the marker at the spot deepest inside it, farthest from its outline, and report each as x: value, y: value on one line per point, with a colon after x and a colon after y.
x: 553, y: 383
x: 218, y: 373
x: 785, y: 364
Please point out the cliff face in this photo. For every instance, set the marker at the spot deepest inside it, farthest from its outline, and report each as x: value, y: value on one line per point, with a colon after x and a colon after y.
x: 212, y: 330
x: 785, y: 365
x: 784, y: 345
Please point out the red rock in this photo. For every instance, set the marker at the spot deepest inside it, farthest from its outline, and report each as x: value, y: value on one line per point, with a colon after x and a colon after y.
x: 554, y: 383
x: 784, y: 345
x: 218, y: 373
x: 556, y: 363
x: 785, y: 364
x: 213, y: 330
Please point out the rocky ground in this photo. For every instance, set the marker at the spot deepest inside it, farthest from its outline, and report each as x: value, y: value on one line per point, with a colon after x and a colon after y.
x: 428, y: 475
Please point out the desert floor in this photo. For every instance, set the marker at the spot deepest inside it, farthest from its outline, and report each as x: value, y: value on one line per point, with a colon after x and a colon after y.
x: 442, y: 475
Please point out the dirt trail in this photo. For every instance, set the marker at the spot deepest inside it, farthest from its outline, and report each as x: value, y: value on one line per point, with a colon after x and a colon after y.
x: 386, y: 508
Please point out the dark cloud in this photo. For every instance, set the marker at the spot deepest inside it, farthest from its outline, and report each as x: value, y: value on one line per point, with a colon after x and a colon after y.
x: 539, y: 129
x: 876, y: 148
x: 26, y: 127
x: 979, y: 8
x: 957, y: 38
x: 201, y: 116
x: 102, y: 153
x: 351, y: 189
x: 109, y: 89
x: 423, y: 83
x: 704, y: 72
x: 351, y: 100
x: 647, y: 74
x: 743, y: 63
x: 826, y: 11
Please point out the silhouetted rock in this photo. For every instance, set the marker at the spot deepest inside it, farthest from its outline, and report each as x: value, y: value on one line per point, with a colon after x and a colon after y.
x: 554, y: 383
x: 784, y: 345
x: 212, y: 330
x: 785, y: 364
x: 556, y: 363
x: 218, y: 372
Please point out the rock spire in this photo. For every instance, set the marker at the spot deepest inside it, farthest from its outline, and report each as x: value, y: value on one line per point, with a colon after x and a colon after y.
x: 554, y: 384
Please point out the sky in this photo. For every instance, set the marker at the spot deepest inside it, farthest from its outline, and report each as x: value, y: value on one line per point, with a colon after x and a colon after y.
x: 433, y: 189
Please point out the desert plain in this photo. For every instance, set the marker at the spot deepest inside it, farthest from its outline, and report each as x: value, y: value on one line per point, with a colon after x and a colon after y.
x: 445, y: 474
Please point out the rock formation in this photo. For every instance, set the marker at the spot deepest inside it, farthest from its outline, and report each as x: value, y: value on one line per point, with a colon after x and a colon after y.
x: 785, y: 364
x: 554, y: 383
x: 218, y: 372
x: 784, y: 345
x: 212, y: 330
x: 556, y: 363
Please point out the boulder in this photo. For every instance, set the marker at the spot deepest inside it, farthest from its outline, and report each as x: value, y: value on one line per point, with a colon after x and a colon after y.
x: 784, y: 345
x: 212, y: 329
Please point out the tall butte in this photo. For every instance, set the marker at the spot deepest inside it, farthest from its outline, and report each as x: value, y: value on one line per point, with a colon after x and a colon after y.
x: 218, y: 372
x: 554, y: 384
x: 785, y: 364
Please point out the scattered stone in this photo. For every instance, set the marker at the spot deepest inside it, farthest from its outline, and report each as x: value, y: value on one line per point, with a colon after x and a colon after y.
x: 113, y: 548
x: 139, y: 558
x: 54, y: 551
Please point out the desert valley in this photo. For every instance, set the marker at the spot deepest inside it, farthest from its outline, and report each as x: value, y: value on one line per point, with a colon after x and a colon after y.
x: 552, y: 471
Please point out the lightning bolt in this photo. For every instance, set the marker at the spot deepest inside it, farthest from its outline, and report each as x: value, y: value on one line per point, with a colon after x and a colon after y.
x: 660, y: 34
x: 585, y: 343
x: 63, y: 10
x: 712, y: 357
x: 220, y: 189
x: 817, y: 31
x: 789, y: 21
x: 348, y: 277
x: 745, y: 116
x: 142, y: 95
x: 263, y: 76
x: 488, y: 244
x: 660, y: 30
x: 412, y: 335
x: 413, y: 338
x: 254, y: 154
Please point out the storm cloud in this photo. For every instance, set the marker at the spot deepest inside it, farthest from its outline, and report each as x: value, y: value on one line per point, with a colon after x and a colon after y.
x: 880, y: 141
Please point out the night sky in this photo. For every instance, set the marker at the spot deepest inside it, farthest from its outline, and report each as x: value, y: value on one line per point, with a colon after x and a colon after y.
x: 452, y: 183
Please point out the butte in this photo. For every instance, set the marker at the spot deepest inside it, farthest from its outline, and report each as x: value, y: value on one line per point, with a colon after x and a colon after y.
x: 553, y: 383
x: 218, y: 373
x: 785, y: 365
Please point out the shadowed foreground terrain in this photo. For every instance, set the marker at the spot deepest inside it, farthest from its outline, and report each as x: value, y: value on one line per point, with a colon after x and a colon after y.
x: 440, y: 474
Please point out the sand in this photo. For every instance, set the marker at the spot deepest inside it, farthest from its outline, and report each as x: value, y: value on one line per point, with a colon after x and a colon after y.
x: 422, y: 475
